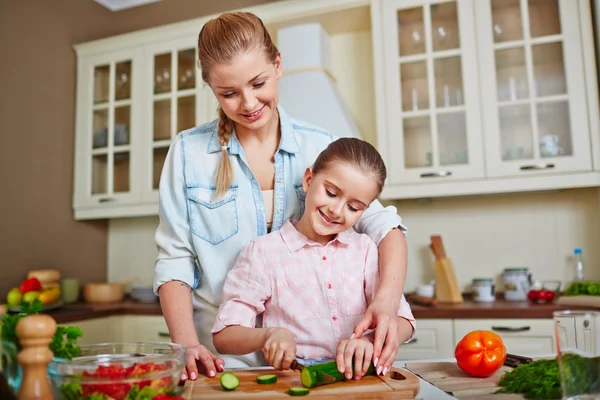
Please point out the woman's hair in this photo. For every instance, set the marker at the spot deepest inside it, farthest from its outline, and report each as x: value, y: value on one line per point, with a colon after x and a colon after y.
x: 221, y: 41
x: 357, y: 152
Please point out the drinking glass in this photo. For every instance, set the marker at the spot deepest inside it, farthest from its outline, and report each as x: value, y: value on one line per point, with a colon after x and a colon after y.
x: 577, y: 335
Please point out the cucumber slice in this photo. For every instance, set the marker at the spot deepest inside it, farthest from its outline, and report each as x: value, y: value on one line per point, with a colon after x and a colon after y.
x: 229, y: 381
x: 299, y: 391
x: 267, y: 379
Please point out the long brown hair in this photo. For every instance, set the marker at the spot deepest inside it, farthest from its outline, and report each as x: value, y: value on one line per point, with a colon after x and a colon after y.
x: 357, y: 152
x: 220, y: 41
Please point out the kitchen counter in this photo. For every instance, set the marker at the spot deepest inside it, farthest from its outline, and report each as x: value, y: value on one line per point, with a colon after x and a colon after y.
x: 468, y: 309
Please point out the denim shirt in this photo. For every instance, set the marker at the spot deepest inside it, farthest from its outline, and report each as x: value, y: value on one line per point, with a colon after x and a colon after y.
x: 199, y: 238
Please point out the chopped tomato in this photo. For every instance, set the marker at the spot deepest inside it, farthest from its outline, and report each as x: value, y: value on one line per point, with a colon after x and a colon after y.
x: 480, y: 353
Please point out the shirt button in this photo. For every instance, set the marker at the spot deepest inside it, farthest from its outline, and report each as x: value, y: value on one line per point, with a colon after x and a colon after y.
x: 324, y: 258
x: 329, y: 286
x: 260, y: 208
x: 334, y: 318
x: 280, y: 210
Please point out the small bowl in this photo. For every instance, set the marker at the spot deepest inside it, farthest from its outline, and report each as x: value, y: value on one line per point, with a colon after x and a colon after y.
x: 154, y: 364
x: 103, y: 292
x: 143, y: 294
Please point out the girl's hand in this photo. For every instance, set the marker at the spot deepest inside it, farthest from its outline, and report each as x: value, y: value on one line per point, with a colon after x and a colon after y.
x: 354, y: 355
x: 381, y: 316
x: 200, y: 358
x: 280, y: 348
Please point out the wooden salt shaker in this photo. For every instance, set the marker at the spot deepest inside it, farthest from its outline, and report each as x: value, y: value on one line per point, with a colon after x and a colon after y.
x: 35, y: 333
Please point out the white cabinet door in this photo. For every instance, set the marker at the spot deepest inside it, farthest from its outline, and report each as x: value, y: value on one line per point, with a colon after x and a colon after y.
x: 433, y: 339
x: 520, y: 336
x: 108, y: 129
x: 94, y: 330
x: 535, y: 116
x: 432, y: 128
x: 144, y: 328
x: 176, y: 99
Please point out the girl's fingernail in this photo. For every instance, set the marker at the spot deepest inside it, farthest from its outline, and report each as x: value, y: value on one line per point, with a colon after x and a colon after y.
x: 211, y: 373
x: 193, y: 375
x: 353, y: 336
x: 183, y: 377
x: 385, y: 370
x: 222, y: 367
x: 375, y: 361
x: 379, y: 369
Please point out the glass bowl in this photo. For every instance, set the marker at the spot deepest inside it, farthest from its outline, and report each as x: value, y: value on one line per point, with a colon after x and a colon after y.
x: 119, y: 370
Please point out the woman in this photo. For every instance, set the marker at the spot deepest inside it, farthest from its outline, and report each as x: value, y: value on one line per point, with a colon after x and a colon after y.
x: 234, y: 179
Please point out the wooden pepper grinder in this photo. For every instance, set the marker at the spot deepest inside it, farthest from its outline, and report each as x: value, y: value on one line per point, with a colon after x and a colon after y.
x: 35, y: 333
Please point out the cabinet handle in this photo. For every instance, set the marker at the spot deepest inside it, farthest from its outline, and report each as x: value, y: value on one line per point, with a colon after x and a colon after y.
x: 105, y: 199
x: 411, y: 340
x: 536, y: 166
x: 436, y: 174
x: 510, y: 329
x: 164, y: 334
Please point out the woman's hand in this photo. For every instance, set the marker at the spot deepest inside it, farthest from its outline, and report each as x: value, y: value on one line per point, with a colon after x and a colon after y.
x: 381, y: 316
x: 279, y: 348
x: 354, y: 355
x: 200, y: 358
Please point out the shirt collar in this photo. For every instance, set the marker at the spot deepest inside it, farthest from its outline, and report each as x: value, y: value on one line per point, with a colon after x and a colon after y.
x: 288, y: 142
x: 295, y: 240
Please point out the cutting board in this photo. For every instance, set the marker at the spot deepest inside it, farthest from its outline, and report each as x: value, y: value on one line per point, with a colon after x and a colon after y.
x: 396, y: 384
x: 579, y: 301
x: 451, y: 379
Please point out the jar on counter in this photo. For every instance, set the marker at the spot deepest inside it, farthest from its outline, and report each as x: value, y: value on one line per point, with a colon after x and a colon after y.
x: 517, y: 282
x: 484, y: 290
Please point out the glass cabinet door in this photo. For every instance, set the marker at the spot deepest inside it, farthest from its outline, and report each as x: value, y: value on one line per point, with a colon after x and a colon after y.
x: 433, y: 113
x: 110, y: 175
x: 534, y: 111
x: 179, y: 101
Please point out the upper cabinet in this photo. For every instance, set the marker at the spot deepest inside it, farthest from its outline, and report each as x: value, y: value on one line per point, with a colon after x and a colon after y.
x: 460, y: 96
x: 485, y: 96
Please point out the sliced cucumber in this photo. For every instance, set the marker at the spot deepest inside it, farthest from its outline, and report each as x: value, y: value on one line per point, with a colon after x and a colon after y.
x: 229, y: 381
x: 267, y: 379
x: 299, y: 391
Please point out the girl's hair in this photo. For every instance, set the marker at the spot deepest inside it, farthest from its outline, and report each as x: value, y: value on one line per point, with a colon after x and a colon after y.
x: 221, y: 41
x: 357, y: 152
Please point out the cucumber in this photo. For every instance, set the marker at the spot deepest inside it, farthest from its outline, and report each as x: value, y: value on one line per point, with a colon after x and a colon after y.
x: 229, y: 381
x: 313, y: 375
x: 298, y: 391
x: 267, y: 379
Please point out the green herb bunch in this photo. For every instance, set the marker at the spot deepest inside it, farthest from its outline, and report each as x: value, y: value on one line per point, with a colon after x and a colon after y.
x: 64, y: 342
x: 583, y: 289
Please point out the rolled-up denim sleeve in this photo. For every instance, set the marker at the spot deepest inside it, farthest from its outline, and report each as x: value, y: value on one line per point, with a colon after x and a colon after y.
x: 377, y: 221
x: 173, y: 236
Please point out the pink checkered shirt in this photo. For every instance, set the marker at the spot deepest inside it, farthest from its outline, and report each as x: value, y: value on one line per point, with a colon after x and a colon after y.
x: 317, y: 292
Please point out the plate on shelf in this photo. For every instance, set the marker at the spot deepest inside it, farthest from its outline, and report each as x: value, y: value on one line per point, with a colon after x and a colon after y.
x: 47, y: 307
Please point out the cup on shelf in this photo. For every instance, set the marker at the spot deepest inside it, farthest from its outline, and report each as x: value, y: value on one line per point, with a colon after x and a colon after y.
x: 69, y: 290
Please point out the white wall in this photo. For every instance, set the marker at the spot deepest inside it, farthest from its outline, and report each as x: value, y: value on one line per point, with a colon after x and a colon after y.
x: 482, y: 236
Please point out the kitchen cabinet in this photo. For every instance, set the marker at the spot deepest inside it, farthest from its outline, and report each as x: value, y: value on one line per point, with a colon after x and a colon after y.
x: 97, y: 330
x: 521, y: 336
x: 143, y: 328
x: 510, y: 111
x: 433, y: 340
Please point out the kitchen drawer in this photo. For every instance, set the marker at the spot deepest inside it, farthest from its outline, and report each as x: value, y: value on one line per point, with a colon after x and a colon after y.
x: 521, y: 336
x: 94, y: 330
x: 433, y: 339
x: 144, y: 328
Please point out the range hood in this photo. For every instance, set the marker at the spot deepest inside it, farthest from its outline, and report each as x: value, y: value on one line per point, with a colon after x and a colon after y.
x: 307, y: 88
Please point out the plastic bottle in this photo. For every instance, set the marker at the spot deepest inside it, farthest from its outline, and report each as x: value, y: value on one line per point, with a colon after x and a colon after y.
x: 578, y: 265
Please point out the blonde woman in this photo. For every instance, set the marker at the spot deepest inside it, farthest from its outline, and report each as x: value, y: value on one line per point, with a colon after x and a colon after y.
x: 239, y: 177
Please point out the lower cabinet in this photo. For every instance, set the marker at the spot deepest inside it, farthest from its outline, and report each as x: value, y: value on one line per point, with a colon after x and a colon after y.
x: 433, y: 339
x: 521, y: 336
x: 123, y: 328
x: 95, y: 330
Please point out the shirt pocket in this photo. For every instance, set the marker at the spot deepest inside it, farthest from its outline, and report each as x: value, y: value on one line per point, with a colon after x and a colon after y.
x: 354, y: 294
x: 300, y: 298
x: 213, y: 220
x: 301, y: 200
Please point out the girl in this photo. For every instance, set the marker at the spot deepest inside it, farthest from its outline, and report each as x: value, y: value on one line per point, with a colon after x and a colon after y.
x: 234, y: 179
x: 312, y: 280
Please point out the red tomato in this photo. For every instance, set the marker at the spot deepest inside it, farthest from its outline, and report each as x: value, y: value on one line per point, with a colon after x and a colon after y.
x: 533, y: 295
x: 551, y: 295
x: 30, y: 285
x: 480, y: 353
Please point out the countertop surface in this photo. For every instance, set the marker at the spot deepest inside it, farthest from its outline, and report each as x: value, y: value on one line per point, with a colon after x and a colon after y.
x: 468, y: 309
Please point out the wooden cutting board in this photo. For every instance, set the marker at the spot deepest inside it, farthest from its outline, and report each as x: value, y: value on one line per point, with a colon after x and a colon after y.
x: 579, y: 301
x: 397, y: 384
x: 451, y: 379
